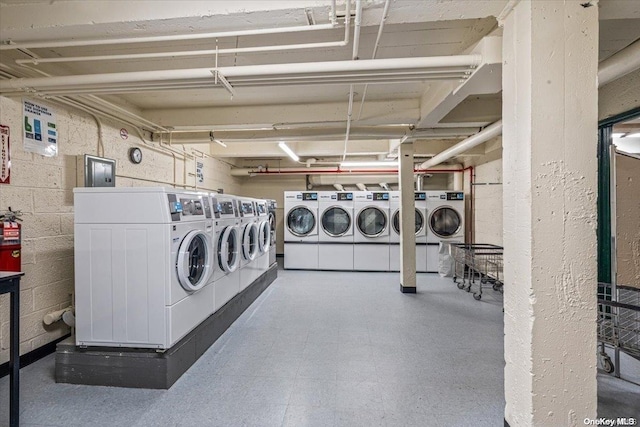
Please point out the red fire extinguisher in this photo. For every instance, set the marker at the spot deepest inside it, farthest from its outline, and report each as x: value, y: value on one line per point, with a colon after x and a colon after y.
x: 10, y: 241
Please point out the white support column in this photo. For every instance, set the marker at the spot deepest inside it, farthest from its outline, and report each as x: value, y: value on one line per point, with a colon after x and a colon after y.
x: 550, y: 179
x: 407, y: 220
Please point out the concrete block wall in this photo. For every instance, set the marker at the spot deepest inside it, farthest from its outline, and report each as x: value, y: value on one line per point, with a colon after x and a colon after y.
x: 488, y: 203
x: 42, y: 188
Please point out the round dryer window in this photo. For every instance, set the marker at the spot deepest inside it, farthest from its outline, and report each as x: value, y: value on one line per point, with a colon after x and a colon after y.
x: 301, y: 221
x: 445, y: 222
x: 372, y: 221
x: 419, y: 222
x: 264, y: 236
x: 193, y: 261
x: 228, y: 250
x: 336, y: 221
x: 250, y: 241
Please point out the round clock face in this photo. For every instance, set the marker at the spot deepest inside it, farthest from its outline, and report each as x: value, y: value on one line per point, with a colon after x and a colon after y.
x: 135, y: 155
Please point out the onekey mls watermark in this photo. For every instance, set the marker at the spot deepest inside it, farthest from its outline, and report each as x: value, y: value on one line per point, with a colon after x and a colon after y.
x: 620, y: 421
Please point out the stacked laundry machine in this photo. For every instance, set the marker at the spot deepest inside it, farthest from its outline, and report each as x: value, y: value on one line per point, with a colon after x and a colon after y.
x: 151, y: 264
x: 360, y: 230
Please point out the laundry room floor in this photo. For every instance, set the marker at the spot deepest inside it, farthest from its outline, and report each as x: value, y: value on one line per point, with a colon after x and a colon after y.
x: 321, y: 349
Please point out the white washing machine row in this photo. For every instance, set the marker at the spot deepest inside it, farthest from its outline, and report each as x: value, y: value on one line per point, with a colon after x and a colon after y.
x: 152, y: 263
x: 337, y: 230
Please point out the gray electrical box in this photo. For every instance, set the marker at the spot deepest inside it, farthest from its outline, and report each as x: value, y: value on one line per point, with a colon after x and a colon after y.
x: 96, y: 171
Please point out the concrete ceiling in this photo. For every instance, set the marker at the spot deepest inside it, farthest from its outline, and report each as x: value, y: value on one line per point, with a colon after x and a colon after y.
x: 413, y: 28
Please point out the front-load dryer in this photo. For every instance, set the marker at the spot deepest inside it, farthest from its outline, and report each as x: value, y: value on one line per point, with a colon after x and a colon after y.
x: 420, y: 204
x: 445, y: 224
x: 301, y: 230
x: 249, y: 234
x: 226, y: 241
x: 264, y: 236
x: 143, y: 259
x: 335, y: 238
x: 371, y: 236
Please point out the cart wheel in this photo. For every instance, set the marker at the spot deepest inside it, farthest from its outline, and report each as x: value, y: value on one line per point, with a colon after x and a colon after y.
x: 460, y: 285
x: 607, y: 365
x: 496, y: 287
x: 477, y: 296
x: 468, y: 288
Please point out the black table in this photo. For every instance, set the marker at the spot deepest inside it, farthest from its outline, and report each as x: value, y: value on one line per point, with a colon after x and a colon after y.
x: 10, y: 283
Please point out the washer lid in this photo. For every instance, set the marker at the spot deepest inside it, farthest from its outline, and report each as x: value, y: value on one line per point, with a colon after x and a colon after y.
x: 228, y: 249
x: 372, y: 221
x: 336, y: 221
x: 445, y: 222
x: 301, y: 221
x: 192, y: 264
x: 419, y: 221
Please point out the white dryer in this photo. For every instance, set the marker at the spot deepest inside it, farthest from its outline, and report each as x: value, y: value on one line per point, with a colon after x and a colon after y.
x: 371, y: 237
x: 335, y: 238
x: 445, y: 224
x: 264, y: 236
x: 248, y: 242
x: 301, y: 230
x: 420, y: 230
x: 226, y: 241
x: 143, y: 259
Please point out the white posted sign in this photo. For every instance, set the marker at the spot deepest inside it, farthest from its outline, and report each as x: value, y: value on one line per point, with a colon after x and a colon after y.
x: 40, y: 129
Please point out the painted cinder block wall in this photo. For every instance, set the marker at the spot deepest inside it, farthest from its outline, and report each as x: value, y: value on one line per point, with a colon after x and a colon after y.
x: 42, y: 188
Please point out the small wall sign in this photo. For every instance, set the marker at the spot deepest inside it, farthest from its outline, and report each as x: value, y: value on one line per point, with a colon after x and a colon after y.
x: 124, y: 134
x: 5, y: 156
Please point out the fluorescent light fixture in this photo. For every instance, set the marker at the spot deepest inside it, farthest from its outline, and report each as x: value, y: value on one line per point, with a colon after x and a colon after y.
x: 617, y: 134
x: 633, y: 135
x: 369, y: 164
x: 284, y: 147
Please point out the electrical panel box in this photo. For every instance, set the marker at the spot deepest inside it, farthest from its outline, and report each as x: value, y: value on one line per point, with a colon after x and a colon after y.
x: 96, y: 171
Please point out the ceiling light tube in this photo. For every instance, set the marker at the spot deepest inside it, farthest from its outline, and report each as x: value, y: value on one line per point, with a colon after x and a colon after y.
x: 369, y: 164
x: 217, y: 141
x: 284, y: 147
x: 617, y: 134
x: 633, y: 135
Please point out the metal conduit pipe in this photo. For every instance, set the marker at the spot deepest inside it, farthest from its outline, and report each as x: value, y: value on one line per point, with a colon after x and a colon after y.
x: 619, y: 64
x: 9, y: 45
x: 205, y: 75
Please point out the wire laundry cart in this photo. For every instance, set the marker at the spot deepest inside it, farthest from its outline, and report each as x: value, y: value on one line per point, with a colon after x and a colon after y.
x: 618, y: 324
x: 476, y: 265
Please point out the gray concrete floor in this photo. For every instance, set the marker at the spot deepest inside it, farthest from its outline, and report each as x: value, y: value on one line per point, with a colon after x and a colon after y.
x: 321, y: 349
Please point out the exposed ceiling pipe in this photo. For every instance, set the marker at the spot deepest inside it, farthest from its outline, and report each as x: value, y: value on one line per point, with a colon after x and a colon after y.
x: 485, y: 135
x: 192, y: 53
x: 619, y: 64
x: 380, y: 174
x: 385, y: 13
x: 342, y: 179
x: 361, y: 186
x: 338, y: 187
x: 383, y: 70
x: 354, y: 56
x: 9, y: 45
x: 385, y: 186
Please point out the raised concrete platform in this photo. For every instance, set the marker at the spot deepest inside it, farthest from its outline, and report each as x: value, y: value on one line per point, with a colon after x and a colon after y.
x: 147, y: 368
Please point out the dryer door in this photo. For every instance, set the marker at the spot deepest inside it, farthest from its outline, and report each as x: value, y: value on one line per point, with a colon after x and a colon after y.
x: 228, y: 249
x: 193, y: 262
x: 250, y: 241
x: 419, y: 222
x: 264, y: 236
x: 445, y: 222
x: 301, y: 221
x: 336, y: 221
x: 373, y: 222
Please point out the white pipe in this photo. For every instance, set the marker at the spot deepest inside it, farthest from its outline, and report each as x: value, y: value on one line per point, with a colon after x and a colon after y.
x: 342, y: 179
x: 338, y: 187
x: 333, y: 18
x: 619, y: 64
x: 361, y: 186
x: 204, y: 75
x: 354, y: 57
x: 385, y: 12
x: 8, y: 45
x: 55, y: 316
x: 385, y: 186
x: 485, y: 135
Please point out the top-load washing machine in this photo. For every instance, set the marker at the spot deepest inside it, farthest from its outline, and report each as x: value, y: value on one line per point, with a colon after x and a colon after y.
x: 301, y: 230
x: 249, y: 245
x: 445, y: 224
x: 143, y: 259
x: 264, y: 235
x: 272, y: 206
x: 371, y: 236
x: 420, y: 202
x: 226, y: 241
x: 335, y: 238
